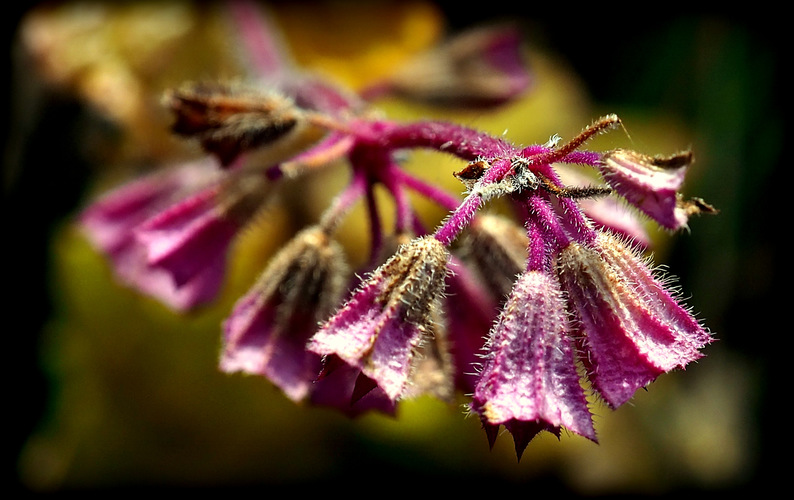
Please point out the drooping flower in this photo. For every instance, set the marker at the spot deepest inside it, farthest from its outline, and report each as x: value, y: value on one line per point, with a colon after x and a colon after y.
x: 632, y: 329
x: 386, y: 320
x: 188, y: 237
x: 529, y: 381
x: 111, y: 223
x: 268, y: 328
x: 500, y: 310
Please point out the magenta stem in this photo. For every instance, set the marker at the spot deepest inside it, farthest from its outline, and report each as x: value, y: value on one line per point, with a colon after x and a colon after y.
x: 537, y: 256
x: 331, y: 218
x: 577, y: 223
x: 375, y: 226
x: 389, y: 175
x: 462, y: 216
x: 459, y: 219
x: 465, y: 143
x: 584, y: 158
x: 441, y: 197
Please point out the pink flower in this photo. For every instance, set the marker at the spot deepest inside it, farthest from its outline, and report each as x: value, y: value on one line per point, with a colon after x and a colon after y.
x: 187, y: 238
x: 504, y: 313
x: 632, y: 329
x: 382, y: 325
x: 529, y: 380
x: 268, y: 328
x: 108, y: 221
x: 110, y: 224
x: 652, y: 184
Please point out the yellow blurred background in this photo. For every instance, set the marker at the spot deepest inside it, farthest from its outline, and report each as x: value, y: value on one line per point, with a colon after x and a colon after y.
x: 112, y: 391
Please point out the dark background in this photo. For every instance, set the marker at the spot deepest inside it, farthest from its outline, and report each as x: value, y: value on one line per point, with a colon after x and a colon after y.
x: 629, y: 57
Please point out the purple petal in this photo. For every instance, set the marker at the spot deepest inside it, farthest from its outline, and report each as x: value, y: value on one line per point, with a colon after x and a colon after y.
x: 110, y: 224
x: 346, y: 389
x: 268, y: 329
x: 259, y: 344
x: 381, y: 326
x: 633, y: 329
x: 652, y: 185
x: 188, y: 235
x: 110, y: 220
x: 530, y: 373
x: 132, y: 268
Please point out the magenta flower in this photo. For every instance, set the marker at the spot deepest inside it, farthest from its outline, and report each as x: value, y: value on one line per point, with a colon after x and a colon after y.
x: 632, y: 329
x: 379, y: 330
x: 188, y: 237
x: 499, y: 308
x: 652, y: 184
x: 269, y: 327
x: 111, y: 223
x: 529, y: 380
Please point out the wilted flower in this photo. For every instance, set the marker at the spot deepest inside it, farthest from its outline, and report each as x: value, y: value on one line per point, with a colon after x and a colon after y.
x: 502, y: 310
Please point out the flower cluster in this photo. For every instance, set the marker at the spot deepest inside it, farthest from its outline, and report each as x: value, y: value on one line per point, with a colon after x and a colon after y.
x: 504, y: 309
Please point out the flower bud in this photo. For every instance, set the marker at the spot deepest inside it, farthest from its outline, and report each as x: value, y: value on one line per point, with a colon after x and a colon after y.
x: 652, y: 184
x: 228, y: 120
x: 481, y: 67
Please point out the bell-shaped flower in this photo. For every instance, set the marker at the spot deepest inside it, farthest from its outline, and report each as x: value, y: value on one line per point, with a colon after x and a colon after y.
x: 632, y: 328
x: 529, y: 381
x: 652, y: 184
x: 111, y: 221
x: 189, y: 236
x: 268, y: 328
x: 380, y: 328
x: 346, y: 389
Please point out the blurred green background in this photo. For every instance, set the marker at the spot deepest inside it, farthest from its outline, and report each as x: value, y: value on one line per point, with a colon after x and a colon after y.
x: 111, y: 391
